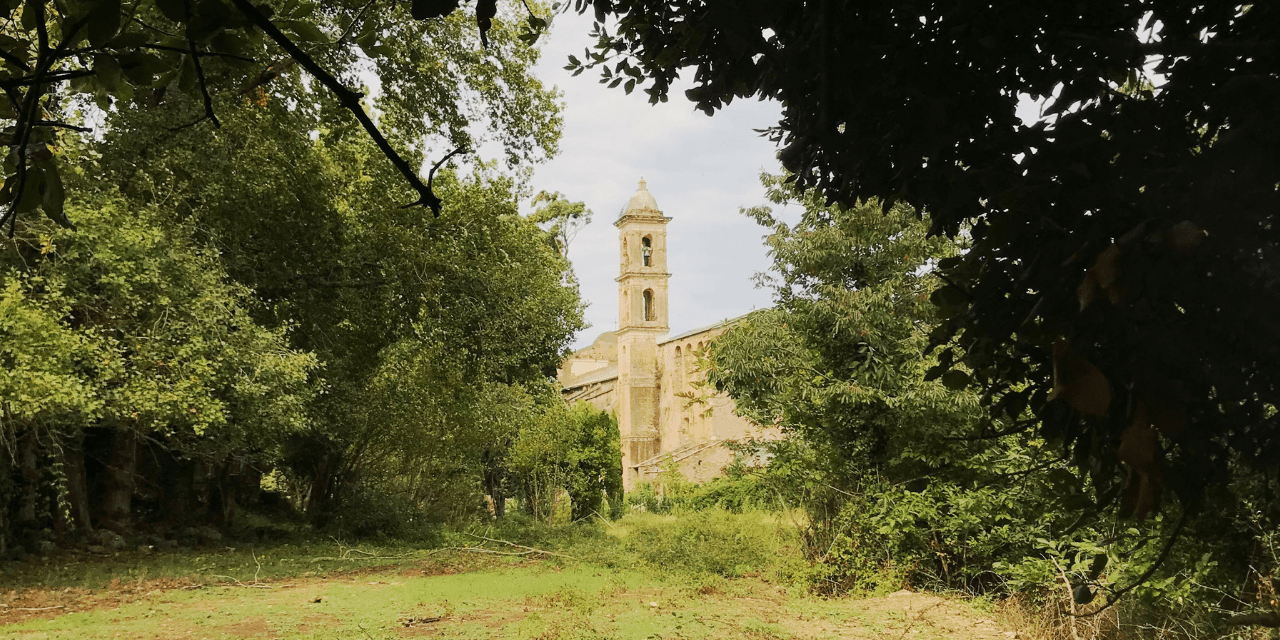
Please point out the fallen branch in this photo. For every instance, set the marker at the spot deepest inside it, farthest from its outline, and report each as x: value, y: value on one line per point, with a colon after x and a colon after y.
x: 247, y: 586
x: 489, y: 551
x: 350, y: 559
x: 1071, y: 598
x: 520, y: 546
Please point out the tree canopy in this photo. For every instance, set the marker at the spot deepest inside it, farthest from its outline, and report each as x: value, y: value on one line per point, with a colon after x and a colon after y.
x: 1123, y: 256
x: 59, y: 59
x: 253, y: 299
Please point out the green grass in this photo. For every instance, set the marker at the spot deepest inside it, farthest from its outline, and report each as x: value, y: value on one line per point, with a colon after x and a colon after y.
x: 707, y: 575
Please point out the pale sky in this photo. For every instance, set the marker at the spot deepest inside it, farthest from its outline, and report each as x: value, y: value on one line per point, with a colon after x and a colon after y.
x: 700, y: 169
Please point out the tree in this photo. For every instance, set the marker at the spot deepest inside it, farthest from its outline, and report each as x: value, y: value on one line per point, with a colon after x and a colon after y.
x: 575, y: 449
x: 285, y: 203
x: 123, y: 337
x: 59, y: 57
x: 1124, y: 249
x: 875, y: 445
x: 386, y: 297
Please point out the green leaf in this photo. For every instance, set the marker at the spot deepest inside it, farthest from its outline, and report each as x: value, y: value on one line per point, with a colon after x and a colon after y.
x: 175, y: 10
x: 129, y: 40
x: 305, y: 31
x: 210, y: 18
x: 33, y: 192
x: 104, y: 22
x: 141, y: 68
x: 950, y: 301
x: 108, y: 70
x: 53, y: 196
x: 29, y: 16
x: 955, y: 380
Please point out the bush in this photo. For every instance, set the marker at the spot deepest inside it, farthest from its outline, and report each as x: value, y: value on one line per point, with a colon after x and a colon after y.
x: 736, y: 492
x: 715, y: 542
x: 370, y: 513
x: 570, y: 450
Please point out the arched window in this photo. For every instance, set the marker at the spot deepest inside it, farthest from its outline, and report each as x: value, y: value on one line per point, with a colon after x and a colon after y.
x: 679, y: 385
x: 649, y: 313
x: 646, y: 250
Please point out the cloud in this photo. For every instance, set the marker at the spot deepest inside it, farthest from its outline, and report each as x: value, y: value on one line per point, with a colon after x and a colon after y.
x: 700, y: 169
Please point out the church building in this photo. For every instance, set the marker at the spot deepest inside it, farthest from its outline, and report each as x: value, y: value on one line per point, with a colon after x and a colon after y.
x: 647, y: 378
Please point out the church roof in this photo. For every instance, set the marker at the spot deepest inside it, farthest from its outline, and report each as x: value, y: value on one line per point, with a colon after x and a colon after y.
x: 711, y: 327
x: 591, y: 377
x: 641, y: 201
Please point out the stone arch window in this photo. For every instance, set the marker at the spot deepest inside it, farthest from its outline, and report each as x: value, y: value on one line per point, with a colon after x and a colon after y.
x: 650, y: 314
x: 646, y: 251
x: 626, y: 306
x: 679, y: 370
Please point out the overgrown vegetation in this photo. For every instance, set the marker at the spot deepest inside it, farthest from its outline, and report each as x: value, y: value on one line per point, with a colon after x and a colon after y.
x: 241, y: 308
x: 1053, y: 380
x: 881, y: 453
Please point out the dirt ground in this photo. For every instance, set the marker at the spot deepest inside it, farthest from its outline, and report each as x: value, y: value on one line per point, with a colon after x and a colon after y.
x: 526, y: 600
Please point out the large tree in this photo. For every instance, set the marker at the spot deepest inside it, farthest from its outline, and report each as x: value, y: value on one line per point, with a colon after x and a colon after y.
x: 60, y: 58
x: 1124, y: 261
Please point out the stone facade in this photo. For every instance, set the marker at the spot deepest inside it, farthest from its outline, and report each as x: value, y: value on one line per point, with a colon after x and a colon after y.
x: 649, y: 380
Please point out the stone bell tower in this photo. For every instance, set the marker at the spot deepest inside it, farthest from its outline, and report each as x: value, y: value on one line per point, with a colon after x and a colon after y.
x: 642, y: 319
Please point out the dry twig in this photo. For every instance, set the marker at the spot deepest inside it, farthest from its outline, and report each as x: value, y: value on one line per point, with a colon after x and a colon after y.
x: 520, y: 546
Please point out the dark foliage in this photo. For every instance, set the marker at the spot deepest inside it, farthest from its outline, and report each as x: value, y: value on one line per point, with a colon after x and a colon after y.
x: 1124, y: 254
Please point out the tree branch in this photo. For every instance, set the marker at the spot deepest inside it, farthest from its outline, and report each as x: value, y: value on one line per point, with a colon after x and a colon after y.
x: 1146, y: 575
x: 216, y: 54
x: 350, y: 100
x: 155, y: 29
x: 60, y: 125
x: 36, y: 78
x: 204, y: 87
x: 26, y: 115
x: 14, y: 60
x: 1021, y: 425
x: 354, y: 21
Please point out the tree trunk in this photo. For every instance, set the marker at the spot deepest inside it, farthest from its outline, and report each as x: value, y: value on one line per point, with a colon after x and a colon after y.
x: 493, y: 484
x: 29, y: 491
x: 117, y: 500
x: 177, y: 495
x: 77, y: 482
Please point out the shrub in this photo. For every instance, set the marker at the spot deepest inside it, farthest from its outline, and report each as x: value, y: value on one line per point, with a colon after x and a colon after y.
x: 714, y: 541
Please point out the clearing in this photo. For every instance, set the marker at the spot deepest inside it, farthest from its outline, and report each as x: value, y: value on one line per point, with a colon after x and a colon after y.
x: 449, y: 593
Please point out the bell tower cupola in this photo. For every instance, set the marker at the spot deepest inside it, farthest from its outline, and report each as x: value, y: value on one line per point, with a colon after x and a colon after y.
x: 642, y: 319
x: 642, y: 279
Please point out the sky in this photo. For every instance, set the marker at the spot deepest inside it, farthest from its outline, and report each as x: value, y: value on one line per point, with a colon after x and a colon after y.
x: 702, y: 170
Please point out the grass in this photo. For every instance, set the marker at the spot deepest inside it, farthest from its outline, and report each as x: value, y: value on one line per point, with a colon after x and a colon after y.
x: 700, y: 576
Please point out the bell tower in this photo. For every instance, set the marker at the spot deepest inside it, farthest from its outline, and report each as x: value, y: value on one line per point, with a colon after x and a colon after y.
x: 642, y: 319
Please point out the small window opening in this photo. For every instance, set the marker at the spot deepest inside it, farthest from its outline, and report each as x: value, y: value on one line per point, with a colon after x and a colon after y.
x: 649, y: 313
x: 646, y: 250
